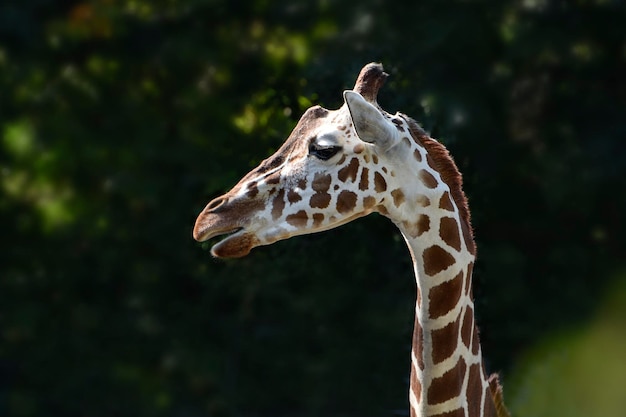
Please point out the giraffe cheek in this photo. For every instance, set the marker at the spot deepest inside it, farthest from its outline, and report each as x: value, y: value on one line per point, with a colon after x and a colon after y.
x: 271, y: 235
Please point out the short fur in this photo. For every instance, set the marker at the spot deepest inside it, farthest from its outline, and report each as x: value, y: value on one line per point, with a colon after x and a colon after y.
x: 449, y: 173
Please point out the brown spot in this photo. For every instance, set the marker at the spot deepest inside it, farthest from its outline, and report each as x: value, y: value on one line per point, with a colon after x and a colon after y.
x: 490, y: 408
x: 422, y: 200
x: 385, y: 170
x: 445, y: 341
x: 406, y: 141
x: 358, y: 148
x: 423, y: 224
x: 273, y: 178
x: 416, y: 385
x: 436, y: 259
x: 417, y: 155
x: 418, y: 344
x: 369, y: 202
x: 342, y: 159
x: 474, y: 390
x: 449, y: 232
x: 319, y: 200
x: 321, y: 182
x: 445, y: 296
x: 349, y: 171
x: 380, y: 184
x: 494, y: 401
x: 383, y: 210
x: 253, y: 190
x: 398, y: 197
x: 346, y: 201
x: 365, y: 181
x: 366, y: 157
x: 468, y: 327
x: 448, y: 385
x: 445, y: 202
x: 278, y: 204
x: 298, y: 219
x: 318, y: 218
x: 428, y: 179
x: 293, y: 196
x: 398, y: 124
x: 375, y: 158
x: 302, y: 183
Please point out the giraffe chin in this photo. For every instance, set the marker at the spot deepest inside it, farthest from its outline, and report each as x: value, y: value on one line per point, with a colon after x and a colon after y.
x: 236, y: 245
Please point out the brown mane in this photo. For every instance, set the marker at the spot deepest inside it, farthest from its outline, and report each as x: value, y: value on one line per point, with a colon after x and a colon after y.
x: 444, y: 164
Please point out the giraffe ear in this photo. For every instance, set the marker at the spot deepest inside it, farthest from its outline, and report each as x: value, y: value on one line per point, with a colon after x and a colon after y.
x: 369, y: 123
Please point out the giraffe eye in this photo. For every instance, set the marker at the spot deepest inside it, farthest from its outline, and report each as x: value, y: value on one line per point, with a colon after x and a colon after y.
x: 323, y: 152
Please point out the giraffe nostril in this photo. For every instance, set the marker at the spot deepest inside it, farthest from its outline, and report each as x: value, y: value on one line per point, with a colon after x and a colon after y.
x: 215, y: 203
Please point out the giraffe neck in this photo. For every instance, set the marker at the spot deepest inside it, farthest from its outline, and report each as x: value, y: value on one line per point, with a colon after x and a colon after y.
x: 447, y: 374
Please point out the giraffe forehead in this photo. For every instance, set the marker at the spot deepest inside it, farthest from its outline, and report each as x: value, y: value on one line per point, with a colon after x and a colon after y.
x: 314, y: 122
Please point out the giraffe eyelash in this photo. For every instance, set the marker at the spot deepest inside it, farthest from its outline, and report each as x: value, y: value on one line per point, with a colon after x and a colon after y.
x: 323, y: 148
x: 324, y: 153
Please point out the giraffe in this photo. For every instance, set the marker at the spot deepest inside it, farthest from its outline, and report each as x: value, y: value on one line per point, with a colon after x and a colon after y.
x: 337, y: 166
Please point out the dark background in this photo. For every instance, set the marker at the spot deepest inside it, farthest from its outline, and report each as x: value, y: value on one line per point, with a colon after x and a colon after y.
x: 121, y: 119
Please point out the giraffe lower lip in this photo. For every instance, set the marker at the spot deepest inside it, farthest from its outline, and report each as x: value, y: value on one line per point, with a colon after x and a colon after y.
x: 235, y: 245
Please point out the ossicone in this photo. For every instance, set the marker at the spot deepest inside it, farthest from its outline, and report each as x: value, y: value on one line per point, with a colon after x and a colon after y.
x: 369, y: 81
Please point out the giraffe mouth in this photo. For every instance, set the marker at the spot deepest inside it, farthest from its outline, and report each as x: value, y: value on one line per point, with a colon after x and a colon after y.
x: 233, y: 243
x: 225, y: 234
x: 236, y: 241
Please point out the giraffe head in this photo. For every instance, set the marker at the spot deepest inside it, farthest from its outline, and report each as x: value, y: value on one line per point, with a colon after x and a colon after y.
x: 334, y: 167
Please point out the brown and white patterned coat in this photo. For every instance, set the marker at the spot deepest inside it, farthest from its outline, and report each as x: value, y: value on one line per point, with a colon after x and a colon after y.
x: 340, y: 165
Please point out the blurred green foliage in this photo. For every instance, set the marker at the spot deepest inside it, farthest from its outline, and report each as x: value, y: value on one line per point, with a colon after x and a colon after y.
x: 579, y: 371
x: 121, y: 119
